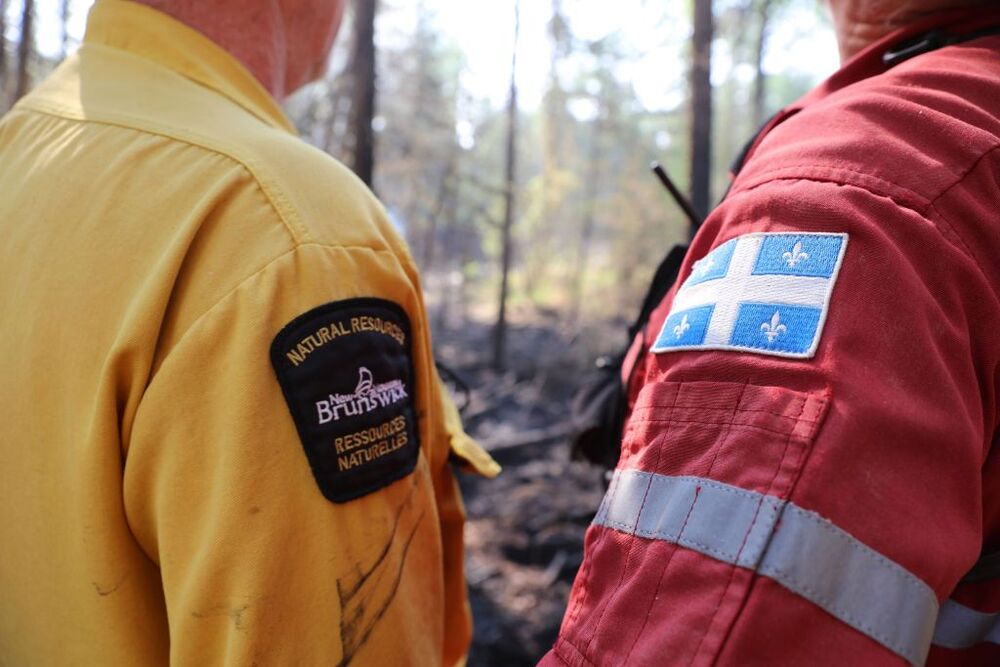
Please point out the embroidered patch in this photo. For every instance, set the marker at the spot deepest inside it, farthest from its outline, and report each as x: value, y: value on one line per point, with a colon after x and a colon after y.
x: 346, y: 371
x: 766, y: 293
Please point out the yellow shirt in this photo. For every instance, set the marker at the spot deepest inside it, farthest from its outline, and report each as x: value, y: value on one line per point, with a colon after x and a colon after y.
x: 222, y: 436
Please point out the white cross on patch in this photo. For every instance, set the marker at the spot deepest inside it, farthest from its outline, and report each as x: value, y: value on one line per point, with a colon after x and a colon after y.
x: 764, y: 293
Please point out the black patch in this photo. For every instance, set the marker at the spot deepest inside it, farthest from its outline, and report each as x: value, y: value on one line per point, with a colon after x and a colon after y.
x: 346, y: 370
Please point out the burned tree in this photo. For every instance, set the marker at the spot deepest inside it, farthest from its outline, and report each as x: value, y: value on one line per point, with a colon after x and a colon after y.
x: 701, y: 106
x: 363, y: 89
x: 510, y: 172
x: 25, y: 49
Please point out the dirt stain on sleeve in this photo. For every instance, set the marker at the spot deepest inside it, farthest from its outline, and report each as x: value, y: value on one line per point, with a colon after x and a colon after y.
x: 235, y: 614
x: 105, y: 590
x: 367, y: 593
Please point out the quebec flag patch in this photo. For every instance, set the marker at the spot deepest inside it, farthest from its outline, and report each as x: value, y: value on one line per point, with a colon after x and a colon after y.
x: 767, y: 293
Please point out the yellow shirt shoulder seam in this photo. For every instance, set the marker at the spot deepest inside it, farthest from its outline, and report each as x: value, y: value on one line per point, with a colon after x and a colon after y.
x: 273, y: 195
x: 257, y: 272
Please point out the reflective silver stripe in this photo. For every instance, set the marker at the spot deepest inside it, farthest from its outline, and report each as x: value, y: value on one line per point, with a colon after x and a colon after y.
x: 961, y: 627
x: 806, y: 554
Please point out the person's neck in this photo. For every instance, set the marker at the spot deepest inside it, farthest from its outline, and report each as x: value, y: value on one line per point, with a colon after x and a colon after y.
x: 253, y: 33
x: 860, y: 23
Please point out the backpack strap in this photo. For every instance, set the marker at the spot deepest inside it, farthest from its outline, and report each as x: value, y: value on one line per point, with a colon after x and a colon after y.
x: 986, y: 568
x: 664, y: 278
x: 931, y: 41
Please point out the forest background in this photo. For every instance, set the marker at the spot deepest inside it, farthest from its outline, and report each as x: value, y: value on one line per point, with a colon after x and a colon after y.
x: 510, y: 142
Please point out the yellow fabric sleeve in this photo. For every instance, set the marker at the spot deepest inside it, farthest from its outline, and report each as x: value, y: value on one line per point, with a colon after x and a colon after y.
x: 257, y: 566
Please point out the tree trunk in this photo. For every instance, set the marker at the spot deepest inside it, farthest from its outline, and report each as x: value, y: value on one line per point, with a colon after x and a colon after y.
x: 336, y: 139
x: 545, y: 232
x: 25, y: 49
x: 3, y: 54
x: 449, y: 232
x: 500, y: 330
x: 553, y: 101
x: 701, y: 107
x: 445, y: 194
x: 64, y: 27
x: 593, y: 184
x: 363, y: 93
x: 760, y: 79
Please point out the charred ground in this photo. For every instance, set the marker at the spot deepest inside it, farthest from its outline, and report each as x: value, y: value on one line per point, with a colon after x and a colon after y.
x: 525, y: 529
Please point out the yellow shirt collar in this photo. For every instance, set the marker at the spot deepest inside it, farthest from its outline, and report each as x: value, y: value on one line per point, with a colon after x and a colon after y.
x: 152, y: 35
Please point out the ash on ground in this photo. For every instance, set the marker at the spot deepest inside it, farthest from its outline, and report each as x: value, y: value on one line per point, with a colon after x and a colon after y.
x: 525, y: 529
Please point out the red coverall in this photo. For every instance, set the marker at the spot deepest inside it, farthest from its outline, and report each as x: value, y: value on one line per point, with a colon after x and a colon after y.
x: 827, y: 508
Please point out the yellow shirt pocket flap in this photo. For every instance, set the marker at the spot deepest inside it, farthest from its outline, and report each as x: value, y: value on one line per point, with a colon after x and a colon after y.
x: 471, y: 456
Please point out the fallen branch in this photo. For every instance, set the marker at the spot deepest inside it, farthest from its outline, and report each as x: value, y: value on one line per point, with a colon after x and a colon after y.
x: 527, y: 438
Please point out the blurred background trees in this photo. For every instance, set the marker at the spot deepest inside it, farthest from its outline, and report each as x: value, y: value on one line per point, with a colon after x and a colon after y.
x: 527, y: 206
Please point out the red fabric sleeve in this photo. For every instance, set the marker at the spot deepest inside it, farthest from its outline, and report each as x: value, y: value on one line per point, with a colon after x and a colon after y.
x: 883, y: 433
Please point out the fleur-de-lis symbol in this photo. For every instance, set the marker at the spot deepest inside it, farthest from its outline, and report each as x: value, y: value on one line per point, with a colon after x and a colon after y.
x: 795, y: 255
x: 703, y: 266
x: 774, y: 328
x: 682, y: 328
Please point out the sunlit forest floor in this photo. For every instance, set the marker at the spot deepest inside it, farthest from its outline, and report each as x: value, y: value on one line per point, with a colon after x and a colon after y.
x: 525, y: 529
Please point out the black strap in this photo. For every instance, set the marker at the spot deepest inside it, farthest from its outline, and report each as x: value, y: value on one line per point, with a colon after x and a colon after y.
x: 741, y: 157
x: 931, y: 41
x: 664, y: 278
x: 986, y: 568
x: 458, y: 383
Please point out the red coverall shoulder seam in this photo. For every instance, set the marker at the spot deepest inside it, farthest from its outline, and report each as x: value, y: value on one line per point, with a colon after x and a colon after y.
x: 927, y: 210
